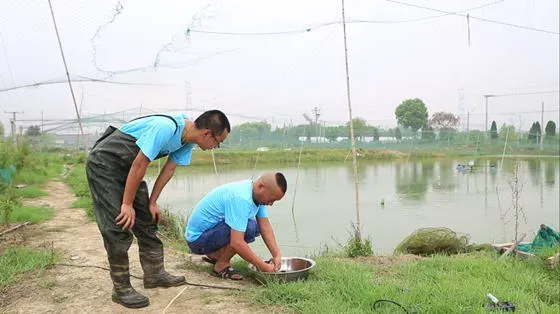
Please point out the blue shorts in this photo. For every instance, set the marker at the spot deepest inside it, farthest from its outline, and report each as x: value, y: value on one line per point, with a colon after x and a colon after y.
x: 216, y: 238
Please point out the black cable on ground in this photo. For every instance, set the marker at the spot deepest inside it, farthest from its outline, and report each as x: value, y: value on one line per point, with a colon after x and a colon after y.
x: 376, y: 304
x: 187, y: 283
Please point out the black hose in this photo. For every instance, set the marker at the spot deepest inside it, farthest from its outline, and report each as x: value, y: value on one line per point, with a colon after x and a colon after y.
x: 376, y: 304
x: 188, y: 283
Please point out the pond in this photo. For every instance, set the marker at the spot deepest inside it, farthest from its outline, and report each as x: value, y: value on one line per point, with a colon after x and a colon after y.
x: 396, y: 198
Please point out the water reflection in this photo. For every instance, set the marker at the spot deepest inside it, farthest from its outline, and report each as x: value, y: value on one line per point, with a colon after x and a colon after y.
x: 534, y: 166
x: 412, y: 179
x: 362, y: 173
x: 444, y: 176
x: 551, y: 169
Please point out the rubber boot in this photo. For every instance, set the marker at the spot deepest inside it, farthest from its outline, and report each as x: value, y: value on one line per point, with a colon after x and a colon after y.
x: 123, y: 293
x: 154, y: 271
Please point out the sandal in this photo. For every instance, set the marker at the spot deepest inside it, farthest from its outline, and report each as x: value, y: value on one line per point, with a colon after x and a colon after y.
x: 209, y: 259
x: 227, y: 273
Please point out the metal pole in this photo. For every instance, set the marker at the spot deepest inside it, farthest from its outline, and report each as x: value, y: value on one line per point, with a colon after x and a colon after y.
x: 542, y: 125
x: 468, y: 135
x: 488, y: 137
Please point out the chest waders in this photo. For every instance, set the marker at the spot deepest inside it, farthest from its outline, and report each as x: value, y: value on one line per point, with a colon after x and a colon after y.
x: 107, y: 168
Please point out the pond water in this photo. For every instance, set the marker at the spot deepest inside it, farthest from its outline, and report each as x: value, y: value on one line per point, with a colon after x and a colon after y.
x: 416, y: 194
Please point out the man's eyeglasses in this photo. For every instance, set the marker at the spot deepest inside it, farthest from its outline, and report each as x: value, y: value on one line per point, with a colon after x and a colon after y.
x: 215, y: 139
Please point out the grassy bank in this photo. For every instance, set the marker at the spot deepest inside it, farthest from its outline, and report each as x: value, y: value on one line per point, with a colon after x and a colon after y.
x: 439, y: 284
x: 77, y: 181
x: 16, y: 261
x: 281, y: 156
x: 24, y: 172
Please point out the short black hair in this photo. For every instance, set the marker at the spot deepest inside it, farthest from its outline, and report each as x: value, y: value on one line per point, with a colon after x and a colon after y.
x: 214, y: 120
x: 281, y: 182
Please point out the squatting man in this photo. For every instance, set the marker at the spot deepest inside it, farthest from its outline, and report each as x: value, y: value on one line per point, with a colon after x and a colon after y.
x: 231, y: 216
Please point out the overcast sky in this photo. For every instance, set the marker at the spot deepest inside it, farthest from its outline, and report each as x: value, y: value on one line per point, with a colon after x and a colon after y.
x: 287, y: 71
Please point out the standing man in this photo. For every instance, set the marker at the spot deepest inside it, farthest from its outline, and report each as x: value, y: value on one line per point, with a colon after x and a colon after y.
x: 115, y: 170
x: 230, y: 217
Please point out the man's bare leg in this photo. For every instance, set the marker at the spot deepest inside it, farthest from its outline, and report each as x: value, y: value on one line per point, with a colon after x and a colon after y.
x: 223, y: 259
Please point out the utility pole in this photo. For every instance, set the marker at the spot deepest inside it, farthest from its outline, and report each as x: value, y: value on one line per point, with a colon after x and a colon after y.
x: 317, y: 114
x: 488, y: 136
x: 468, y: 119
x: 13, y: 123
x: 542, y: 125
x: 42, y: 122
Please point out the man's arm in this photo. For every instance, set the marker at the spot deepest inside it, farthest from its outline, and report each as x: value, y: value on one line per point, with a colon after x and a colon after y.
x: 127, y: 216
x: 268, y: 236
x: 237, y: 242
x: 162, y: 179
x: 135, y: 176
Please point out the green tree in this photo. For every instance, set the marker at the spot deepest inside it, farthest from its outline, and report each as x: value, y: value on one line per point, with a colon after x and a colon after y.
x: 1, y: 129
x: 360, y: 128
x: 428, y: 133
x: 535, y: 132
x: 33, y: 130
x: 494, y: 130
x: 376, y: 134
x: 507, y: 131
x: 412, y: 113
x: 550, y: 129
x: 398, y: 134
x: 331, y: 133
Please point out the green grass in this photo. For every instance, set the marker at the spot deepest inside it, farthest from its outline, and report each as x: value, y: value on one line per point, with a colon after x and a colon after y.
x: 30, y: 192
x: 440, y: 284
x: 78, y: 183
x: 172, y: 228
x: 19, y: 260
x: 29, y: 213
x: 39, y: 168
x: 278, y: 156
x: 325, y: 155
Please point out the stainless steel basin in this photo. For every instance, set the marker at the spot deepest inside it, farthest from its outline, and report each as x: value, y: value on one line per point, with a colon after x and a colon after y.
x: 291, y: 269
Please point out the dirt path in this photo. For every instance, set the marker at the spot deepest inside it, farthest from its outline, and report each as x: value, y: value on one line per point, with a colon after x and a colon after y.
x: 63, y: 289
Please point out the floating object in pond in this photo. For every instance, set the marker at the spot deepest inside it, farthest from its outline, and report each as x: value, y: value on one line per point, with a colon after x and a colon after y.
x: 291, y: 269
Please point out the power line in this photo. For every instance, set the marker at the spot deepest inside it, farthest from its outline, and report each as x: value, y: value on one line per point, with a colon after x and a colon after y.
x: 524, y: 93
x: 476, y: 18
x: 514, y: 112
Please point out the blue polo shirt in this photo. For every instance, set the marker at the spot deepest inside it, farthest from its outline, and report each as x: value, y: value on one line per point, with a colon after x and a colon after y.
x: 231, y: 202
x: 159, y: 136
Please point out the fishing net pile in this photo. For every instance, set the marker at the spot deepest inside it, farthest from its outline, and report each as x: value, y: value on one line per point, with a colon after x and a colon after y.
x: 427, y: 241
x: 546, y: 237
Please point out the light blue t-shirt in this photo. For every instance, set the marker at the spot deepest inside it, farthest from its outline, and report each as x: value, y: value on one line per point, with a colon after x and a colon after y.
x: 158, y: 135
x: 231, y: 202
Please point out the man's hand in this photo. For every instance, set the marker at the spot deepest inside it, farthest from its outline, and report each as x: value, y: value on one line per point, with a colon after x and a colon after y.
x: 277, y: 262
x: 127, y: 217
x: 267, y: 267
x: 156, y: 213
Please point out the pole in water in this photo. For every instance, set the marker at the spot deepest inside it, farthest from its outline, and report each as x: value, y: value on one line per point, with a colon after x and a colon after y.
x: 215, y: 168
x: 352, y: 139
x: 295, y: 189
